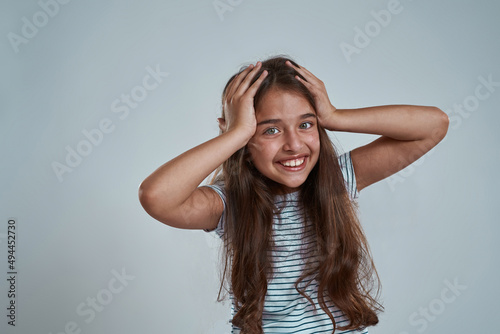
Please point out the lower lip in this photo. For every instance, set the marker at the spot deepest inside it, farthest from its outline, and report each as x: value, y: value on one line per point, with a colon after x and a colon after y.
x: 294, y: 169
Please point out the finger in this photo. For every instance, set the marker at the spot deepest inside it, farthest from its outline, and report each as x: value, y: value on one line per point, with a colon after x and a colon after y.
x: 300, y: 69
x: 238, y: 81
x: 303, y: 71
x: 255, y: 86
x: 246, y: 82
x: 235, y: 83
x: 304, y: 82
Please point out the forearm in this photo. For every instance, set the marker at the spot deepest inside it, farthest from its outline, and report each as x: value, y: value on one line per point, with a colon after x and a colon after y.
x: 401, y: 122
x: 173, y: 183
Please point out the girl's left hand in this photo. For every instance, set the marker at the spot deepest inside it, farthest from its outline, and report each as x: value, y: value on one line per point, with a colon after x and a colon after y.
x: 324, y: 109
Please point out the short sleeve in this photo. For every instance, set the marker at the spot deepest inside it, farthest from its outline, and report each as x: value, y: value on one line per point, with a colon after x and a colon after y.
x: 219, y: 189
x: 347, y: 168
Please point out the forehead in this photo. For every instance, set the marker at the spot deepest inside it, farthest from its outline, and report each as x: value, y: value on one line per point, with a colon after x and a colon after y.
x: 282, y: 103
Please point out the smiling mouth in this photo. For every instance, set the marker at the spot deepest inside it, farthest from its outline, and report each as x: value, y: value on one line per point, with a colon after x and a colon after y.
x: 293, y: 162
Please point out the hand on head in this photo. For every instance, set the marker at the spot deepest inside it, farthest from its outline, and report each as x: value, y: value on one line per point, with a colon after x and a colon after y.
x: 324, y: 108
x: 238, y: 103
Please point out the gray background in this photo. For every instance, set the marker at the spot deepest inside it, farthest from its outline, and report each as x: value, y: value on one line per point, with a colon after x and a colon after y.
x: 429, y: 226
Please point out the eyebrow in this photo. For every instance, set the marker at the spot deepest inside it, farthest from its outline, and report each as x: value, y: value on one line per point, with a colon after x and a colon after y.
x: 277, y: 120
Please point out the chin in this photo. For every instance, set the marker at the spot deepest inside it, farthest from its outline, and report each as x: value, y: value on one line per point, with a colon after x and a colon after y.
x: 292, y: 185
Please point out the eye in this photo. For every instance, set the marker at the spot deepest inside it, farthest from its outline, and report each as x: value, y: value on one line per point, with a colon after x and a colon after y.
x: 306, y: 125
x: 271, y: 131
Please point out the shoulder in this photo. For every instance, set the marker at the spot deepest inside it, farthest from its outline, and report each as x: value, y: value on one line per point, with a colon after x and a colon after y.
x: 219, y: 188
x: 347, y: 168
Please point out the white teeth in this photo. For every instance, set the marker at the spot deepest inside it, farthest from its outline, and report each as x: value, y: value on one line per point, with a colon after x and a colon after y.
x: 293, y: 163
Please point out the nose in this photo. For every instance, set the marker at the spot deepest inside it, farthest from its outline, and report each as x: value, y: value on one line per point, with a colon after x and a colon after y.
x: 292, y: 141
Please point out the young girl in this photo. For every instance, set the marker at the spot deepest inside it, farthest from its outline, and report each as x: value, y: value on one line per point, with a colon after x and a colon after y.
x: 284, y: 202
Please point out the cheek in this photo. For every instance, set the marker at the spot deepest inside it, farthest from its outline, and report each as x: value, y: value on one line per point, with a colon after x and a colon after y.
x: 256, y: 149
x: 318, y: 144
x: 313, y: 142
x: 315, y: 147
x: 261, y: 152
x: 254, y: 146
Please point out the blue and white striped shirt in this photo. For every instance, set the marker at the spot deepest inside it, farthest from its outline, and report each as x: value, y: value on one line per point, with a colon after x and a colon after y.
x: 285, y: 310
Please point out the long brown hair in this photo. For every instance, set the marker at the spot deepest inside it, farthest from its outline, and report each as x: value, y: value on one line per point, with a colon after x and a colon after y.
x: 345, y: 270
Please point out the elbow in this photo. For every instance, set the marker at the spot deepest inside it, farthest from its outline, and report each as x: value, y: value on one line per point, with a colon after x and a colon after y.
x: 442, y: 122
x: 147, y: 198
x: 155, y: 205
x: 143, y: 195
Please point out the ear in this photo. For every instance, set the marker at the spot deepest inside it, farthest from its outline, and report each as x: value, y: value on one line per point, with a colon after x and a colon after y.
x: 222, y: 124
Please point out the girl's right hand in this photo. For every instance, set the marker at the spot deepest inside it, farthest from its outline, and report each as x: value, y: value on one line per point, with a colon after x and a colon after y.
x: 238, y: 104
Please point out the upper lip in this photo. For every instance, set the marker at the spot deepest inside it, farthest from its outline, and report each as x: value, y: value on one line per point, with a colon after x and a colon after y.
x: 294, y: 157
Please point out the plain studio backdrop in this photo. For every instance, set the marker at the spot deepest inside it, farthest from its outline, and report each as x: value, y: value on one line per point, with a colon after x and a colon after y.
x: 96, y: 95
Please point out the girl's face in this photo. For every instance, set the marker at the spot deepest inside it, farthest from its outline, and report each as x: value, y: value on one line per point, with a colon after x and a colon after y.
x: 285, y: 147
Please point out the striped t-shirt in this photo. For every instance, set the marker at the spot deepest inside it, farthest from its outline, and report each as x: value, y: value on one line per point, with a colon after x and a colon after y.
x: 285, y: 310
